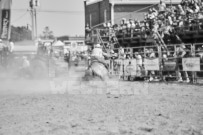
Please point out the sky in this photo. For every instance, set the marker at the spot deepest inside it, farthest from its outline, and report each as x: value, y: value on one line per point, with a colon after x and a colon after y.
x: 61, y: 23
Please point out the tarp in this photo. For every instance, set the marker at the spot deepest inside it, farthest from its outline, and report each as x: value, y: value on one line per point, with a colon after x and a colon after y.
x: 58, y: 43
x: 5, y: 17
x: 191, y: 64
x: 151, y: 64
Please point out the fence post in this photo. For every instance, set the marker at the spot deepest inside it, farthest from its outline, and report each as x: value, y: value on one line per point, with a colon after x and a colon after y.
x: 194, y: 77
x: 160, y: 62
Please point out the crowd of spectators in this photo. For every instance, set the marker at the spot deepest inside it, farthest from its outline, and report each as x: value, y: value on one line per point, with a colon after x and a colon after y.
x: 160, y: 23
x: 166, y: 20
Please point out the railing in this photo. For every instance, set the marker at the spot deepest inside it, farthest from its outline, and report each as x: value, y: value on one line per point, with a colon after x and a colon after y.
x: 161, y: 68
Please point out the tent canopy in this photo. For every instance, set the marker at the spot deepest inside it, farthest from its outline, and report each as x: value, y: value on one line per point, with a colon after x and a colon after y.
x: 58, y: 43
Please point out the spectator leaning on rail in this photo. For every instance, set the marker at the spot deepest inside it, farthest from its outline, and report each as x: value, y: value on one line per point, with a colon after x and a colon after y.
x: 179, y: 54
x: 151, y: 55
x: 121, y: 53
x: 139, y: 63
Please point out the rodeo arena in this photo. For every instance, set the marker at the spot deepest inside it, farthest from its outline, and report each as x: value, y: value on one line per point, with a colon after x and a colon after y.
x: 138, y: 70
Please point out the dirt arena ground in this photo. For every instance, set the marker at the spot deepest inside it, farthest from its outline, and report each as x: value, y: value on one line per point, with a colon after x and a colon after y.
x: 66, y: 106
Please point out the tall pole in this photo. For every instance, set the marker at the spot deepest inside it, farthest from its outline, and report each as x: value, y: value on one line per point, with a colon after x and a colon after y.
x: 33, y: 5
x: 171, y: 4
x: 112, y: 14
x: 35, y: 22
x: 32, y: 18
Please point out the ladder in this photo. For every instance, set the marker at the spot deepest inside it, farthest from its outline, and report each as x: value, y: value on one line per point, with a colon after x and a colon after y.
x: 100, y: 40
x: 161, y: 41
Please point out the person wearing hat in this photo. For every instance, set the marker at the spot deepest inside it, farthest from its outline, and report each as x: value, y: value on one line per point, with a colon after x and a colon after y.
x: 139, y: 62
x: 179, y: 54
x: 98, y: 54
x: 162, y: 7
x: 87, y: 31
x: 121, y: 53
x: 24, y: 69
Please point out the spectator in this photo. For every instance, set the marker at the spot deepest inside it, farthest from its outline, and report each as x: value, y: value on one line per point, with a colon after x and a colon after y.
x: 162, y: 7
x: 128, y: 54
x: 137, y: 26
x: 179, y: 54
x: 151, y: 55
x: 139, y: 63
x: 129, y: 70
x: 200, y: 52
x: 121, y: 53
x: 180, y: 10
x: 87, y: 31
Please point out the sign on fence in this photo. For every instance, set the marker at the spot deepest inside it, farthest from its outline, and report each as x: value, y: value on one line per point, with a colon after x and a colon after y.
x: 130, y: 67
x: 118, y: 67
x: 170, y: 65
x: 191, y: 64
x: 151, y: 64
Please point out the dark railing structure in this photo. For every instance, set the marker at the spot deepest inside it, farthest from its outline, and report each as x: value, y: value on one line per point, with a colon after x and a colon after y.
x: 172, y: 68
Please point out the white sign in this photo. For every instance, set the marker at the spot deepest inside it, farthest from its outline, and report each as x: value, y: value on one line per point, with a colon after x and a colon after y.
x: 151, y: 64
x: 191, y: 64
x: 130, y: 67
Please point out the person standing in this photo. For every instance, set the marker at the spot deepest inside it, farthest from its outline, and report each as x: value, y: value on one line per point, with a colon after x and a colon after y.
x: 162, y: 7
x: 11, y: 47
x: 180, y: 54
x: 1, y: 51
x: 25, y: 68
x: 121, y: 53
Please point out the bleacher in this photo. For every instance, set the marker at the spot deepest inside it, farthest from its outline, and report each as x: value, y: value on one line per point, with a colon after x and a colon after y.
x: 130, y: 34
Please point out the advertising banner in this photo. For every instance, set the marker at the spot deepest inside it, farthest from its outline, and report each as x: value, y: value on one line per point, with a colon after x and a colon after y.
x: 151, y: 64
x: 191, y: 64
x: 130, y: 67
x: 170, y: 65
x: 5, y: 15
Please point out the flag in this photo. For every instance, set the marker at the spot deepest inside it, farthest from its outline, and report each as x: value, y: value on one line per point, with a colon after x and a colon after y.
x: 5, y: 17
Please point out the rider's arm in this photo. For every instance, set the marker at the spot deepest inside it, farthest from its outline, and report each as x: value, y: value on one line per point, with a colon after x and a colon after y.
x: 105, y: 54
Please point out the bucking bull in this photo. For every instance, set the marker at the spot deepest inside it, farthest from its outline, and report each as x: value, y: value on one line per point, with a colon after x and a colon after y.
x: 97, y: 69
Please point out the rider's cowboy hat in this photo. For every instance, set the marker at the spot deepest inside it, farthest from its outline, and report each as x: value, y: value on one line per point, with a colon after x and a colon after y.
x: 24, y: 58
x: 97, y: 46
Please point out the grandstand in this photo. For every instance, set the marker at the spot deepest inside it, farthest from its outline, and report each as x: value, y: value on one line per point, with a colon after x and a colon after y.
x: 177, y: 24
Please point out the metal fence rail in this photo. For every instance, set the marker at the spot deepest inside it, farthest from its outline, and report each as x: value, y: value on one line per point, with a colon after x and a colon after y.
x: 163, y: 66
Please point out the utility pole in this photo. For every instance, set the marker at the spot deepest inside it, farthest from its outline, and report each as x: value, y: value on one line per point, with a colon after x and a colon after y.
x: 171, y: 4
x: 32, y: 18
x: 33, y: 5
x: 35, y: 23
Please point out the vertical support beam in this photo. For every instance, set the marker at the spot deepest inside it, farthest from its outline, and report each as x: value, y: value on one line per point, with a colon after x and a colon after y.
x: 160, y: 62
x: 35, y: 16
x: 33, y: 23
x: 85, y: 11
x: 32, y: 4
x: 112, y: 13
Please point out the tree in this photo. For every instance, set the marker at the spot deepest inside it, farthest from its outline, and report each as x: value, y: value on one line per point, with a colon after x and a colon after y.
x: 20, y: 33
x: 47, y: 33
